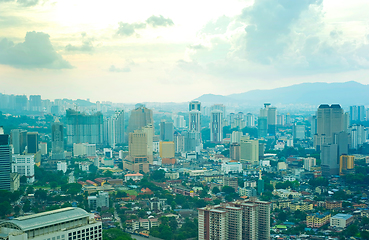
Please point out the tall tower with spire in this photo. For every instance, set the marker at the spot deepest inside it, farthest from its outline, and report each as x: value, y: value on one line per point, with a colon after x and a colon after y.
x: 260, y: 184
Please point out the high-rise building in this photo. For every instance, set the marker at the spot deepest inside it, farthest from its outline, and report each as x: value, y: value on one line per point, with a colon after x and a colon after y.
x: 32, y: 142
x: 115, y: 128
x: 236, y: 137
x: 98, y: 201
x: 330, y: 122
x: 235, y: 151
x: 357, y: 113
x: 167, y: 149
x: 236, y: 220
x: 5, y: 161
x: 179, y: 142
x: 140, y: 117
x: 216, y: 126
x: 347, y: 165
x: 358, y: 135
x: 57, y: 140
x: 62, y: 224
x: 179, y: 121
x: 222, y: 108
x: 329, y: 159
x: 299, y: 131
x: 249, y: 152
x: 21, y: 102
x: 262, y: 127
x: 166, y: 131
x: 84, y: 128
x: 194, y: 105
x: 309, y: 162
x: 24, y: 165
x: 35, y: 103
x: 250, y: 120
x: 138, y: 160
x: 272, y: 120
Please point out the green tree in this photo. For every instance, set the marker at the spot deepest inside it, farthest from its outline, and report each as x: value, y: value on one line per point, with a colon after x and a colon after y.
x: 41, y: 194
x: 158, y: 175
x: 115, y: 234
x: 351, y: 230
x: 228, y: 189
x: 5, y: 208
x: 215, y: 190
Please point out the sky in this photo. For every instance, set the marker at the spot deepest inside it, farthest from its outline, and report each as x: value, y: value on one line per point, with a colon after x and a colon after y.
x: 173, y: 51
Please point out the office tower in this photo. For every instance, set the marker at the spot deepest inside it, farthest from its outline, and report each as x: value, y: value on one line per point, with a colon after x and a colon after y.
x: 32, y: 142
x: 249, y: 152
x: 57, y: 140
x: 262, y: 127
x: 216, y: 126
x: 194, y: 105
x: 346, y: 121
x: 299, y: 131
x: 137, y: 161
x: 5, y: 161
x: 149, y: 131
x: 231, y: 118
x: 21, y: 102
x: 272, y: 120
x: 55, y: 110
x: 62, y: 224
x: 236, y: 137
x: 309, y: 162
x: 235, y: 220
x: 330, y: 121
x: 358, y: 136
x: 190, y: 140
x: 179, y: 142
x: 353, y: 113
x: 140, y: 117
x: 250, y: 120
x: 19, y: 140
x: 115, y: 133
x: 166, y: 131
x: 179, y: 121
x: 24, y: 165
x: 329, y: 159
x: 313, y: 123
x: 84, y: 128
x: 219, y: 107
x: 166, y: 149
x: 35, y: 103
x: 347, y: 165
x: 235, y: 151
x: 81, y: 149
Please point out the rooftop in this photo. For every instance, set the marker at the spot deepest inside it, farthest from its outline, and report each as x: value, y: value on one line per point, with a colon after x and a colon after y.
x: 342, y: 216
x: 44, y: 219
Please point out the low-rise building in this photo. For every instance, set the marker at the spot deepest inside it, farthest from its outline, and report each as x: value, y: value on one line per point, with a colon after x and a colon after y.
x: 231, y: 167
x: 333, y: 205
x: 302, y: 206
x: 317, y: 220
x: 341, y: 220
x: 133, y: 176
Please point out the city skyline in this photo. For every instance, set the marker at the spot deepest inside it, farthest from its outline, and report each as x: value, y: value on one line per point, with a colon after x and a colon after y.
x: 126, y: 53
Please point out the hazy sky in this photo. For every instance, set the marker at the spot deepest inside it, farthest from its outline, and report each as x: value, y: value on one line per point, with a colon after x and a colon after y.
x: 165, y: 50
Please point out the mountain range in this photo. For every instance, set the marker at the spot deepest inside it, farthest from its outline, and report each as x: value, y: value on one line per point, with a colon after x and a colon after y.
x: 346, y: 94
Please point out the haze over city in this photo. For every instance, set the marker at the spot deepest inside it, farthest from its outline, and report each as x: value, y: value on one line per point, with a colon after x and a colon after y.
x: 166, y: 51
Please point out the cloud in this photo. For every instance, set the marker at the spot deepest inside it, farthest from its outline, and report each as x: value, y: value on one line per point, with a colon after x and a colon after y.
x: 35, y: 52
x: 159, y: 21
x: 24, y: 3
x: 115, y: 69
x: 86, y: 45
x: 129, y: 29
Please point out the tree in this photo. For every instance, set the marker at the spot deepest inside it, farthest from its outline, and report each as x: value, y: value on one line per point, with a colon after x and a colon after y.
x: 158, y: 175
x: 351, y: 230
x: 115, y: 234
x: 282, y: 216
x: 228, y: 189
x: 41, y: 194
x: 215, y: 190
x: 5, y: 208
x: 173, y: 224
x: 30, y: 190
x: 364, y: 235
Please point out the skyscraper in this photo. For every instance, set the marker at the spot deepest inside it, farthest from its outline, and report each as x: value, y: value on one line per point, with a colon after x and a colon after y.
x: 347, y: 164
x: 57, y: 140
x: 32, y: 142
x: 137, y: 161
x: 216, y: 126
x: 140, y: 117
x: 166, y: 131
x: 19, y: 140
x: 194, y: 105
x: 272, y: 120
x: 5, y: 161
x: 115, y: 128
x: 84, y: 128
x: 330, y: 122
x: 35, y: 103
x: 262, y: 127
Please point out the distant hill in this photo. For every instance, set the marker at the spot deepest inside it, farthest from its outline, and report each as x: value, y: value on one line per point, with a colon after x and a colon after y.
x: 346, y: 94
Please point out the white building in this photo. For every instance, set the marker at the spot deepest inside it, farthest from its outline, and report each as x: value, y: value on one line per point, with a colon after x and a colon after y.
x: 100, y: 200
x: 341, y: 220
x: 84, y: 166
x: 80, y: 149
x: 24, y: 165
x: 133, y: 176
x: 282, y: 166
x: 309, y: 162
x: 61, y: 224
x: 233, y: 167
x: 289, y: 178
x: 61, y: 166
x: 236, y: 137
x: 43, y: 148
x: 108, y: 152
x: 156, y: 146
x: 216, y: 126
